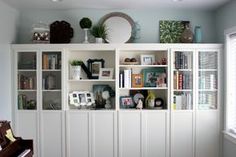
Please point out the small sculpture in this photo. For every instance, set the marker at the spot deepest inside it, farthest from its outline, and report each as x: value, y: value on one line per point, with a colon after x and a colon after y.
x: 140, y: 104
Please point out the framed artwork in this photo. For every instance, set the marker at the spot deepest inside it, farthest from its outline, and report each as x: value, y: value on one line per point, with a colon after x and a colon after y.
x: 137, y: 80
x: 170, y: 31
x: 126, y: 102
x: 106, y: 73
x: 98, y: 89
x: 153, y: 77
x: 94, y: 66
x: 147, y: 59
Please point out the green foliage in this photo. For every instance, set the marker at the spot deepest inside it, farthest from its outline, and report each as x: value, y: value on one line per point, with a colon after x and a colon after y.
x: 85, y: 23
x: 99, y: 31
x: 76, y: 62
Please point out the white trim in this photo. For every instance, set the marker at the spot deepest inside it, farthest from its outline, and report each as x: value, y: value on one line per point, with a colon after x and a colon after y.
x: 230, y: 137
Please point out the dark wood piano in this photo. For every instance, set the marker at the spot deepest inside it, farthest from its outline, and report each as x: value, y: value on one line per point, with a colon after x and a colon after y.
x: 18, y: 148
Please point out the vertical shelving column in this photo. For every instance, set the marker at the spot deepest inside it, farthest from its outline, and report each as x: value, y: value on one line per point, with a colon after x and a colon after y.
x: 51, y: 114
x: 27, y: 96
x: 182, y: 110
x: 207, y: 108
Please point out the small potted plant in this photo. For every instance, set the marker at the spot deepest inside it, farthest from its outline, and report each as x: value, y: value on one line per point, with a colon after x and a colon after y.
x: 85, y: 24
x: 99, y: 32
x: 75, y: 69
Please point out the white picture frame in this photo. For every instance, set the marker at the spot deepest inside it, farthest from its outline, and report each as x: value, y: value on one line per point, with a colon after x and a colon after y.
x: 147, y: 59
x: 81, y: 98
x: 106, y: 73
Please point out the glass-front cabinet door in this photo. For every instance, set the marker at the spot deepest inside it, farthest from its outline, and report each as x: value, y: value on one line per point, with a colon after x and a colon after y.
x: 27, y: 80
x: 182, y: 81
x: 207, y: 80
x: 51, y: 80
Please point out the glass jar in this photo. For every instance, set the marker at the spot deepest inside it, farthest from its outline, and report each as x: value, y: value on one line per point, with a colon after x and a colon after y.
x: 40, y: 33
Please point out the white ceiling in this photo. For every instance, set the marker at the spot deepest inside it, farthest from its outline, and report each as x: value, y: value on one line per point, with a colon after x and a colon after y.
x: 116, y: 4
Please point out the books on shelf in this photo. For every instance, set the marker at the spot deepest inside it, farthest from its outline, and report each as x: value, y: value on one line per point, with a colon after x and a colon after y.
x: 182, y: 101
x: 25, y: 82
x: 207, y: 60
x: 51, y: 61
x: 182, y: 80
x: 207, y: 101
x: 183, y: 60
x: 207, y: 81
x: 125, y: 78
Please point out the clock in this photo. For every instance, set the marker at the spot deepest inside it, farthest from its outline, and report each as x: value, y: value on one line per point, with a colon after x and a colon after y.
x: 171, y: 31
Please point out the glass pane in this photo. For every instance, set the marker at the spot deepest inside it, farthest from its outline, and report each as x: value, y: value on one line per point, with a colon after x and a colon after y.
x: 27, y: 81
x: 207, y: 60
x: 183, y: 60
x: 182, y: 101
x: 207, y: 80
x: 51, y: 80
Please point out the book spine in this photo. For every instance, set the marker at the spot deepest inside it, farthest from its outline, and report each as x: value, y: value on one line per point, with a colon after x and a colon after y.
x: 180, y: 81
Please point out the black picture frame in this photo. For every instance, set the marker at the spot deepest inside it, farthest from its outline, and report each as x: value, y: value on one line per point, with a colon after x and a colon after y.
x: 94, y: 70
x: 136, y: 94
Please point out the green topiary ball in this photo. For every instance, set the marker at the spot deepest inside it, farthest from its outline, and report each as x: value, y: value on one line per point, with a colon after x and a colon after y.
x: 85, y: 23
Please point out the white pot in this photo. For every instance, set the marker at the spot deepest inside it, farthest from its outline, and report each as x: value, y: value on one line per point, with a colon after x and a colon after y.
x: 75, y: 72
x: 99, y: 40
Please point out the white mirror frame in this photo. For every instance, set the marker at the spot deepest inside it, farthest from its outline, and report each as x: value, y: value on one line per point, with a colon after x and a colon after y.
x: 121, y: 30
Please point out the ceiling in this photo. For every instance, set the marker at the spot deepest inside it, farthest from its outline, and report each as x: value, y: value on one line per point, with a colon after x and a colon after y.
x: 116, y: 4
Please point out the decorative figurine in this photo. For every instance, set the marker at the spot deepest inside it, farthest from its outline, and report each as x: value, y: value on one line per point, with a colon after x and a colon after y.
x: 140, y: 104
x: 106, y: 96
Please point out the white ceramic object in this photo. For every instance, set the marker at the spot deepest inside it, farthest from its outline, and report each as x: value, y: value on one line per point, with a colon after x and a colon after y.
x: 75, y: 72
x: 99, y: 40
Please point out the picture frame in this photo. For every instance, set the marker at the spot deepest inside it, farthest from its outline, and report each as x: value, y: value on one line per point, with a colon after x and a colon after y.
x: 147, y: 59
x: 137, y: 80
x: 94, y: 66
x: 81, y: 98
x: 98, y: 89
x: 154, y: 77
x: 106, y: 73
x: 126, y: 102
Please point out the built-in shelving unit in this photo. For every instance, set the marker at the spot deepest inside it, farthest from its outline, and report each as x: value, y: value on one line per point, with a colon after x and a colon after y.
x: 176, y: 85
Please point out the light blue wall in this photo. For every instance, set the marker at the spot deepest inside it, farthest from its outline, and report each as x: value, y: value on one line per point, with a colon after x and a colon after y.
x: 225, y: 18
x: 8, y: 31
x: 148, y: 20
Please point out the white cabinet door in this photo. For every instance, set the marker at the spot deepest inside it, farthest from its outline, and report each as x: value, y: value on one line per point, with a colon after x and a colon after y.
x: 27, y: 127
x: 103, y: 134
x: 77, y: 134
x: 155, y: 134
x: 51, y: 135
x: 130, y: 134
x: 207, y: 134
x: 182, y: 134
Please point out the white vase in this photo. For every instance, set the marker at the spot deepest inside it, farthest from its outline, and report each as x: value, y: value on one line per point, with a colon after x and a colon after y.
x: 99, y: 40
x: 86, y: 36
x: 75, y: 72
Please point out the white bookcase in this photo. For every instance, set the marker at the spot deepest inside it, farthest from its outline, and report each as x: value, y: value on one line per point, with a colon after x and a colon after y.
x: 187, y: 81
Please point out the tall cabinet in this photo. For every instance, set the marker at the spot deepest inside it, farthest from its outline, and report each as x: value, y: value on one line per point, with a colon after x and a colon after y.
x: 39, y: 99
x: 183, y: 121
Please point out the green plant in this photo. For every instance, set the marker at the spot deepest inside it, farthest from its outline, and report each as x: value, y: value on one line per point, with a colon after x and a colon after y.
x: 99, y: 31
x: 76, y: 62
x: 85, y: 23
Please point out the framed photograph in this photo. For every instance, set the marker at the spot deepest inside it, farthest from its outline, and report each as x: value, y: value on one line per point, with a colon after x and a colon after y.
x: 152, y: 77
x: 137, y: 80
x: 126, y: 102
x: 147, y: 59
x: 94, y: 66
x: 106, y: 73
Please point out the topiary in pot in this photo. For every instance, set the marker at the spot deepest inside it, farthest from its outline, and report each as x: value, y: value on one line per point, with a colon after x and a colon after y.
x: 85, y: 23
x: 99, y: 31
x: 75, y: 69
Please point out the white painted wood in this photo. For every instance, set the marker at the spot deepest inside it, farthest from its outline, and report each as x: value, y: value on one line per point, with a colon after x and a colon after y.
x: 27, y: 127
x: 182, y: 134
x: 51, y: 134
x: 130, y: 134
x: 207, y: 134
x: 103, y: 134
x: 78, y: 142
x: 155, y: 134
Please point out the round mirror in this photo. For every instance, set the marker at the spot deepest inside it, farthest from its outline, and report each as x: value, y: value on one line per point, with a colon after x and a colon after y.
x: 119, y: 27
